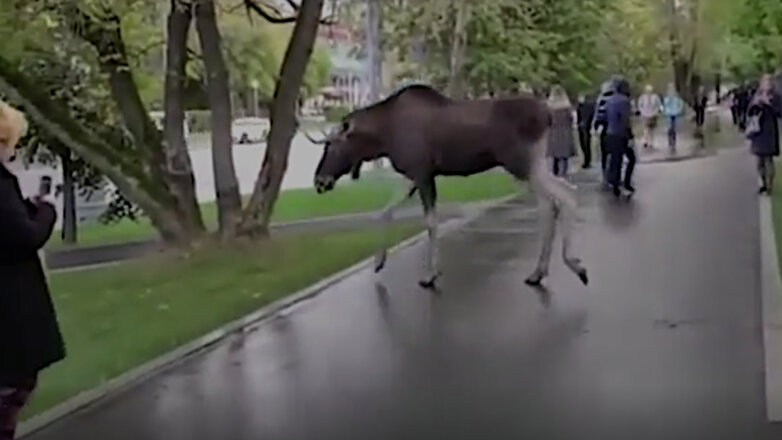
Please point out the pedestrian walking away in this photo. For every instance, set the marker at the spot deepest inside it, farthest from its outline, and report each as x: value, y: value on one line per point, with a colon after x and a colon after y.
x: 585, y: 113
x: 649, y: 106
x: 30, y: 338
x: 734, y: 105
x: 763, y: 130
x: 699, y: 105
x: 599, y: 124
x: 561, y: 142
x: 620, y: 138
x: 742, y: 105
x: 673, y: 107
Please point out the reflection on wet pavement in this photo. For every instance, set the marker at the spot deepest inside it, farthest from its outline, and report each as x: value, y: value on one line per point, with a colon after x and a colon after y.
x: 663, y: 344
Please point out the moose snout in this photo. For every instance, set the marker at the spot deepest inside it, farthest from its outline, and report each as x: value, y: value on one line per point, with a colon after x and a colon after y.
x: 324, y: 183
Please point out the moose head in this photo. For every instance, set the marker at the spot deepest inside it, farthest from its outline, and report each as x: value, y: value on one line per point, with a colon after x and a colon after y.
x: 345, y: 148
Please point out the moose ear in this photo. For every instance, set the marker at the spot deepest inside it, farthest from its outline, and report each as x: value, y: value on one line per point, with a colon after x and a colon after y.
x: 355, y: 173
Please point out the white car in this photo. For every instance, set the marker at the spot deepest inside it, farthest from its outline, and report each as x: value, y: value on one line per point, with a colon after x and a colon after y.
x: 249, y: 130
x: 158, y: 116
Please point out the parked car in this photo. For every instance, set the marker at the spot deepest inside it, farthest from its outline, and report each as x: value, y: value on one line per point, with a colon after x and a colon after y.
x: 250, y: 130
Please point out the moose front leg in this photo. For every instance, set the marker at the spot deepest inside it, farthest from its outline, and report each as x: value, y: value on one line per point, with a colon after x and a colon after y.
x: 386, y: 217
x: 428, y: 193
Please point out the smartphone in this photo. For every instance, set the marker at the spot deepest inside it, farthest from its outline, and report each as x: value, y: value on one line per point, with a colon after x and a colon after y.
x: 45, y: 186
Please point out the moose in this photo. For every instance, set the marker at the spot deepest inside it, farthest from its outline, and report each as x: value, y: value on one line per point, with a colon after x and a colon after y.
x: 425, y: 134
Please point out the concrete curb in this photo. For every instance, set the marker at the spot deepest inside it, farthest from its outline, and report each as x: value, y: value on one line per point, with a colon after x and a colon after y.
x: 771, y: 289
x: 177, y: 356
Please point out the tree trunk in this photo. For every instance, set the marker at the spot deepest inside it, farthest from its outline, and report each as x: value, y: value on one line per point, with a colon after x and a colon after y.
x: 458, y: 46
x: 178, y: 161
x: 718, y: 87
x: 683, y: 63
x: 69, y: 221
x: 106, y: 37
x: 229, y: 202
x: 374, y: 54
x: 283, y: 119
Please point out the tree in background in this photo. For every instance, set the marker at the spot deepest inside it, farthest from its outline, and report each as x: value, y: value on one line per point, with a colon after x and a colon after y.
x: 633, y: 41
x: 68, y: 79
x: 151, y: 169
x: 257, y: 213
x: 229, y: 202
x: 134, y: 158
x: 471, y: 47
x: 255, y: 50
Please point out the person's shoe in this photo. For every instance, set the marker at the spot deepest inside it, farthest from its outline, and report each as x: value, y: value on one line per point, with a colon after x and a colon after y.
x: 616, y: 191
x: 763, y: 190
x: 629, y: 188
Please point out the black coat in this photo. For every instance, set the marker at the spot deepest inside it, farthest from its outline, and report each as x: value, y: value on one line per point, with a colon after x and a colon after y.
x: 30, y: 338
x: 766, y: 142
x: 585, y: 113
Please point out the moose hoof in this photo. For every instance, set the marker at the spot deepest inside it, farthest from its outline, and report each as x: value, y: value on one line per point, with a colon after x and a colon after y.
x: 430, y: 282
x: 380, y: 261
x: 535, y: 279
x: 582, y: 275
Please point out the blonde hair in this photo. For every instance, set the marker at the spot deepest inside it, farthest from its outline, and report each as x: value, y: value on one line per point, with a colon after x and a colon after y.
x: 13, y: 125
x: 558, y: 98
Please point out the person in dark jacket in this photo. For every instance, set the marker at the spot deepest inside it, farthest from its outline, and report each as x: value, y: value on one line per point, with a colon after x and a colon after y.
x: 585, y: 113
x: 700, y: 102
x: 766, y: 109
x: 619, y: 134
x: 30, y: 337
x: 733, y: 95
x: 742, y: 105
x: 599, y: 121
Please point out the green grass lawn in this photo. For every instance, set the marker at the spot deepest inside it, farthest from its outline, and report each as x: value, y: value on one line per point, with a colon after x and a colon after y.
x: 119, y: 317
x: 776, y: 207
x: 298, y: 204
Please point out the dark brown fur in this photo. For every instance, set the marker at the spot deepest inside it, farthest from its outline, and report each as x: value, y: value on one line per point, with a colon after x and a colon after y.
x: 424, y: 135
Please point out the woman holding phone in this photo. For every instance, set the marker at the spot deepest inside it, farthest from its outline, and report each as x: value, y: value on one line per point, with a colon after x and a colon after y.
x: 764, y: 112
x: 30, y: 338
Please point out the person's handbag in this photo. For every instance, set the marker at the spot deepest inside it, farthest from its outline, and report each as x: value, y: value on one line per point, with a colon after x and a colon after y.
x: 753, y: 126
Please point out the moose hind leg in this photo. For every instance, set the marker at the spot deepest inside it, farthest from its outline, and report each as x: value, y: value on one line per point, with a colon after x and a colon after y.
x: 517, y: 165
x: 548, y: 219
x: 385, y: 218
x: 428, y: 198
x: 563, y: 193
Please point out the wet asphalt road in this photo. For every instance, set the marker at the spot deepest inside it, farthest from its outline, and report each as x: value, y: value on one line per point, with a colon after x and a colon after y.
x: 665, y: 343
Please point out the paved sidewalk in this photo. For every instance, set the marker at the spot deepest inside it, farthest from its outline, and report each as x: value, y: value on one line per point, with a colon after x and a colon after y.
x: 665, y: 343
